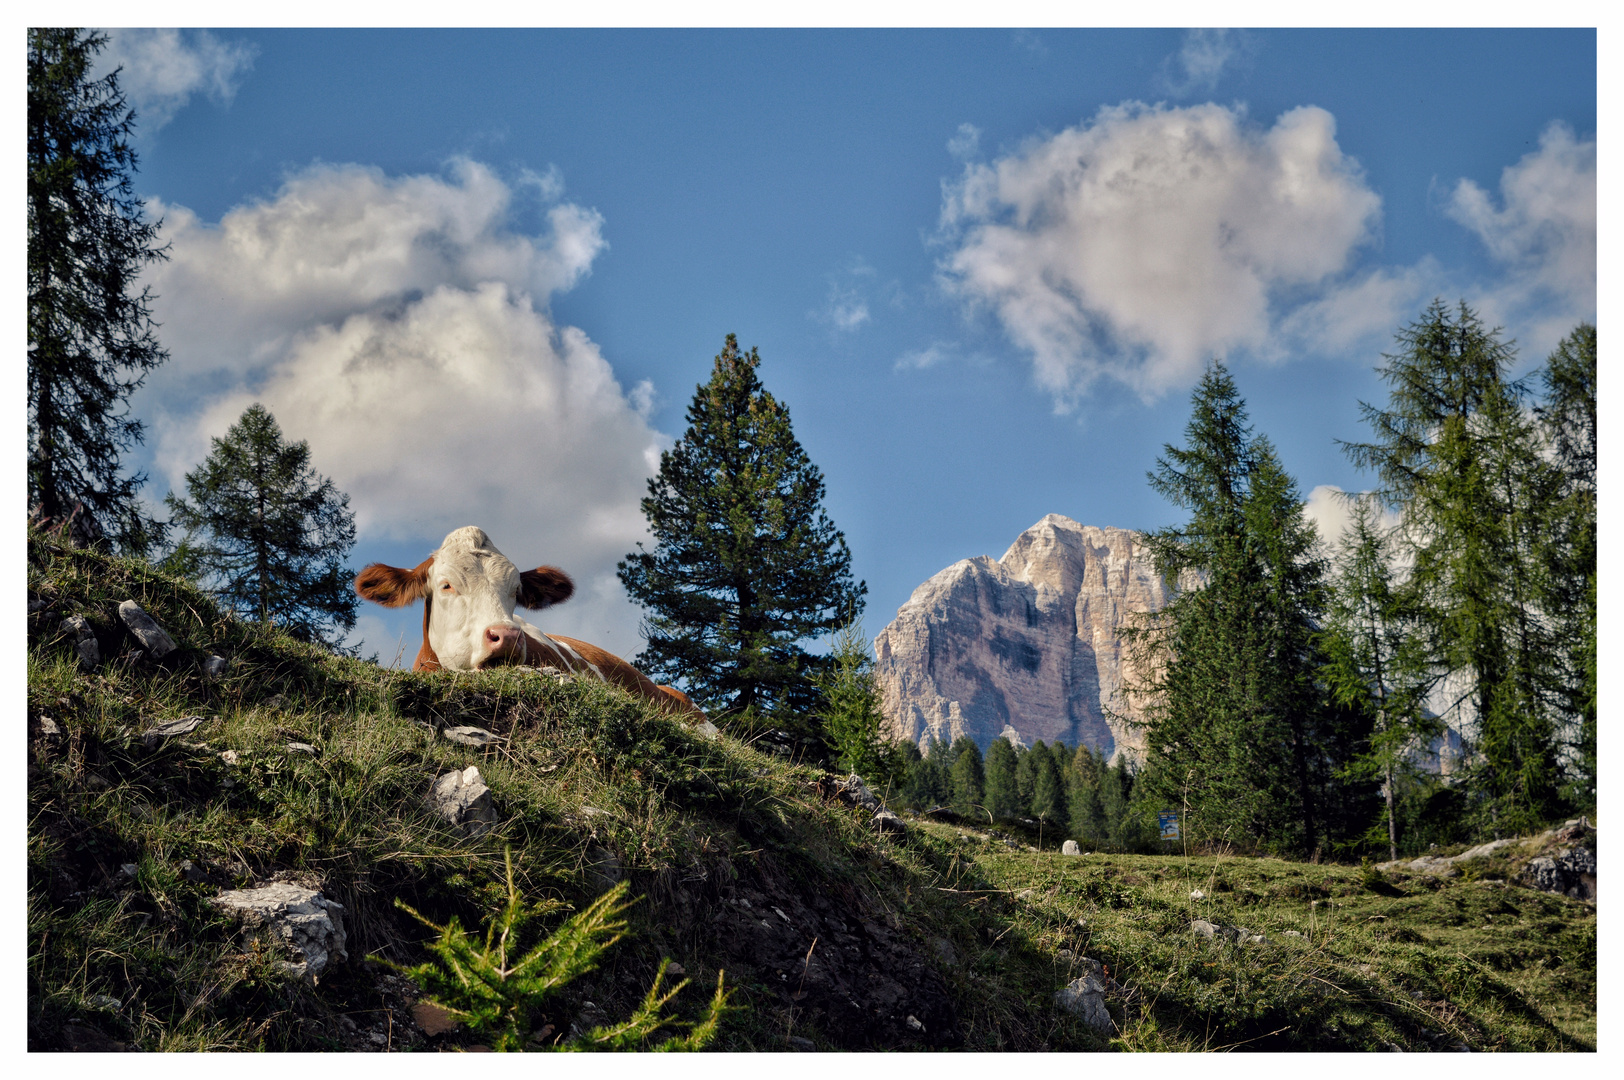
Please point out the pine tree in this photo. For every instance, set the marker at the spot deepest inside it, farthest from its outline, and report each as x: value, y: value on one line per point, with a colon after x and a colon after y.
x: 967, y: 778
x: 1083, y: 797
x: 1048, y: 791
x: 1003, y: 801
x: 1569, y: 419
x: 1457, y: 450
x: 1238, y: 721
x: 1375, y: 664
x: 850, y: 711
x: 746, y: 563
x: 90, y: 335
x: 267, y: 533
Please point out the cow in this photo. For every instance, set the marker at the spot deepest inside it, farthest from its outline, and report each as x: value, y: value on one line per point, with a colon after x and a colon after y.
x: 469, y: 590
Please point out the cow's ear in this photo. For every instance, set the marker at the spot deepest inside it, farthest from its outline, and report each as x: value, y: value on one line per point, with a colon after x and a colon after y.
x: 393, y: 587
x: 543, y: 587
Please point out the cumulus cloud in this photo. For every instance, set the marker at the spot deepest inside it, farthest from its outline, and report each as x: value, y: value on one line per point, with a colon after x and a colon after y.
x: 163, y: 68
x: 1139, y: 244
x: 1201, y: 60
x: 1328, y: 508
x: 1543, y: 232
x: 400, y: 326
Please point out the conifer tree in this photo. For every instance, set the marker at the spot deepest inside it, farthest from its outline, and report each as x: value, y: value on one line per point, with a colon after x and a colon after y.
x: 1048, y: 790
x: 1569, y: 596
x: 967, y: 778
x: 91, y: 337
x: 1238, y: 724
x: 746, y: 564
x: 850, y: 711
x: 267, y: 533
x: 1458, y: 451
x: 1375, y: 663
x: 1003, y: 800
x: 1083, y: 797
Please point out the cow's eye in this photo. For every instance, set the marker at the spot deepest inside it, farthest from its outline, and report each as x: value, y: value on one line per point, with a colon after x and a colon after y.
x: 446, y: 587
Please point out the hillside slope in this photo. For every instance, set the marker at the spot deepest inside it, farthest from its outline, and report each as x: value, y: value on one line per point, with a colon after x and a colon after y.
x: 313, y: 769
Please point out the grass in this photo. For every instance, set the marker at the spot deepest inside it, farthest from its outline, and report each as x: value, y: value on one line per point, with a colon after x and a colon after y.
x: 740, y: 861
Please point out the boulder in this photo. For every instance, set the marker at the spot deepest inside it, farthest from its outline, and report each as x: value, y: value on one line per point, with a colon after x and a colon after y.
x: 888, y: 822
x: 462, y: 798
x: 1084, y: 998
x: 78, y: 628
x: 1070, y: 848
x: 152, y: 637
x: 854, y: 792
x: 297, y: 916
x: 1571, y: 872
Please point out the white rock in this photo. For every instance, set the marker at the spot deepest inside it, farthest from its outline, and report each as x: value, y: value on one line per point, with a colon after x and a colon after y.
x: 1070, y: 848
x: 308, y: 922
x: 152, y: 636
x: 462, y: 798
x: 1084, y: 998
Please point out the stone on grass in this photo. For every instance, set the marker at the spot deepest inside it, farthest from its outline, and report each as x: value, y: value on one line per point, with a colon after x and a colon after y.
x: 854, y: 792
x: 468, y: 735
x: 151, y: 636
x: 1084, y: 997
x: 1070, y: 848
x: 461, y: 797
x: 299, y: 917
x: 214, y: 667
x: 887, y: 822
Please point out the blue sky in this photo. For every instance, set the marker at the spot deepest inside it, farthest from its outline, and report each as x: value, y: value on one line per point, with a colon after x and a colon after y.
x: 482, y: 272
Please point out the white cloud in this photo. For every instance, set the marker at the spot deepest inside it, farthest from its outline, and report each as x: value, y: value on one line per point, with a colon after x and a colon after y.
x: 163, y: 68
x: 1331, y: 512
x: 1201, y: 60
x: 965, y: 143
x: 400, y: 326
x: 1139, y: 244
x: 1543, y: 234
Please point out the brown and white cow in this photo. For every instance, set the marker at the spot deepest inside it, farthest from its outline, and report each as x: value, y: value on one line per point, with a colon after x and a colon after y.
x: 469, y: 590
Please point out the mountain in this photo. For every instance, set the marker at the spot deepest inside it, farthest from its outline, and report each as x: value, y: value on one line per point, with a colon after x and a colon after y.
x: 1028, y: 646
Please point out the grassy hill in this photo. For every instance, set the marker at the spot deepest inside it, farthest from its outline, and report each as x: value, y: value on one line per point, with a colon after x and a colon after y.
x: 832, y: 936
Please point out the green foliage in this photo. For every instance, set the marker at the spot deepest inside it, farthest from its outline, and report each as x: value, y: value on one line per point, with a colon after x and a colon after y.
x: 1048, y: 792
x: 1458, y: 451
x: 1569, y: 594
x: 1240, y: 733
x: 850, y: 712
x: 267, y: 533
x: 477, y: 984
x: 967, y: 778
x: 90, y: 335
x: 1375, y: 666
x: 1003, y: 800
x: 746, y: 563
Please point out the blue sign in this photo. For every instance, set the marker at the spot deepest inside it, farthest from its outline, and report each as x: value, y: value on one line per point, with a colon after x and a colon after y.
x: 1169, y: 821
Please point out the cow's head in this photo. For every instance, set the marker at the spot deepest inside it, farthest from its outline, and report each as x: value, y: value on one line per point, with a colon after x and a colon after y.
x: 470, y: 590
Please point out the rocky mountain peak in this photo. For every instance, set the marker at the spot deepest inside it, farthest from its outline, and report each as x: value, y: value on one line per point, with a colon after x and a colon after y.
x: 1029, y: 642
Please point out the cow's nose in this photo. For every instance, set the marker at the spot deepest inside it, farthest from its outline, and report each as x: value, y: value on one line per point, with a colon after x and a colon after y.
x: 502, y: 640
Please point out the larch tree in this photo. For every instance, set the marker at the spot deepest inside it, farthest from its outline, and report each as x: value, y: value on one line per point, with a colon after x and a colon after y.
x: 1459, y: 452
x: 746, y: 563
x: 268, y: 534
x: 91, y: 338
x: 1569, y: 417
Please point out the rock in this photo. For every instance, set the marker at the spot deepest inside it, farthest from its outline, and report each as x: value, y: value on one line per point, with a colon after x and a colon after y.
x: 78, y: 628
x: 804, y: 1046
x: 214, y: 667
x: 854, y: 792
x: 151, y: 636
x: 1084, y: 998
x: 602, y: 866
x: 301, y: 748
x: 1070, y: 848
x: 470, y: 736
x: 432, y: 1018
x: 169, y: 729
x: 887, y: 822
x: 1029, y: 643
x: 300, y: 917
x: 462, y: 798
x: 1571, y: 872
x: 1197, y: 894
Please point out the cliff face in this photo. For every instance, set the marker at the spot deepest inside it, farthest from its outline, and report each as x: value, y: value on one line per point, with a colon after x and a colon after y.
x: 1025, y: 646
